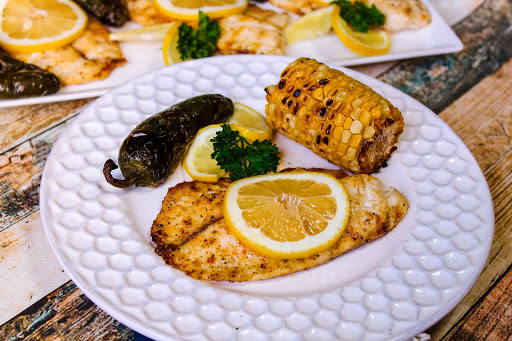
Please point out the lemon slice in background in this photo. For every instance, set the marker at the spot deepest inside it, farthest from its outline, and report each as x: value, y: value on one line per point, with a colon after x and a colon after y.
x: 188, y: 10
x: 170, y: 45
x: 312, y: 25
x: 251, y: 124
x: 145, y: 33
x: 28, y: 26
x: 373, y: 43
x: 287, y: 215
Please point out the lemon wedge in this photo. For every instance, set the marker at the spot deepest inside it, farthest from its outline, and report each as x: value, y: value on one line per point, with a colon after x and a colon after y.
x: 250, y: 123
x: 37, y: 25
x: 145, y: 33
x: 287, y: 215
x: 188, y: 10
x: 170, y: 46
x: 199, y: 163
x: 373, y: 43
x: 312, y: 25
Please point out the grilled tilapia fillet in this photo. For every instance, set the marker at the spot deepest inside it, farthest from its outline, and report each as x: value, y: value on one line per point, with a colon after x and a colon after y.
x: 246, y: 34
x: 299, y: 7
x: 145, y: 12
x: 191, y: 234
x: 403, y: 14
x: 267, y: 16
x: 92, y: 56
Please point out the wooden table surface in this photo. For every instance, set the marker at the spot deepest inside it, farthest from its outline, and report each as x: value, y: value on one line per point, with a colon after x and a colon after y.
x: 471, y: 91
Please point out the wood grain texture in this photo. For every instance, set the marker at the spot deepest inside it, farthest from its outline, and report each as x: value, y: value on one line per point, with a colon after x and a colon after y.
x: 24, y: 278
x: 483, y: 120
x: 66, y: 314
x: 438, y: 80
x: 490, y: 319
x: 20, y: 176
x: 21, y: 123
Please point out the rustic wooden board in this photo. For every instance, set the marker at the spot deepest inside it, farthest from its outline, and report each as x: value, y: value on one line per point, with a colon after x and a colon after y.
x: 66, y: 314
x: 489, y: 137
x: 20, y: 176
x: 28, y: 267
x: 438, y: 80
x: 18, y: 124
x: 490, y: 320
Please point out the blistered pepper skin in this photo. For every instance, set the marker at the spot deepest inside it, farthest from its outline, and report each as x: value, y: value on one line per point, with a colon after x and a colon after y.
x: 111, y: 12
x: 151, y: 152
x: 19, y: 79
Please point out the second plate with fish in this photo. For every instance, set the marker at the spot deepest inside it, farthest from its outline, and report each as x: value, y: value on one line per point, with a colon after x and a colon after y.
x: 391, y: 288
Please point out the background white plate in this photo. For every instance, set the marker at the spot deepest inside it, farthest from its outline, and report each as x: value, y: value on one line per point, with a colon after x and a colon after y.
x: 391, y: 288
x: 142, y: 57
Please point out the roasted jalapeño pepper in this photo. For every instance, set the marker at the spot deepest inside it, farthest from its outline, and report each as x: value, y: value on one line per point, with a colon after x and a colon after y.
x: 154, y: 148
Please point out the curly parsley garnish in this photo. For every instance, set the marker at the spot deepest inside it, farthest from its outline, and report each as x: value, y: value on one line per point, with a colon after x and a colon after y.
x: 243, y: 158
x: 201, y: 42
x: 360, y: 16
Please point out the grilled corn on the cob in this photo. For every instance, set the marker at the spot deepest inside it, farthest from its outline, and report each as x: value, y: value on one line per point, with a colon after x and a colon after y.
x: 334, y: 115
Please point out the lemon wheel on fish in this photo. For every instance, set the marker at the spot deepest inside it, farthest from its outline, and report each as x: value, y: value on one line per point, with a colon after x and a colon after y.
x: 287, y: 215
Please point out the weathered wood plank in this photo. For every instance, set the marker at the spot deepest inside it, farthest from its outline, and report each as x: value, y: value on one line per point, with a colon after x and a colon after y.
x: 28, y: 267
x: 489, y: 137
x: 18, y: 124
x: 490, y: 319
x: 438, y: 80
x: 20, y: 176
x: 66, y: 314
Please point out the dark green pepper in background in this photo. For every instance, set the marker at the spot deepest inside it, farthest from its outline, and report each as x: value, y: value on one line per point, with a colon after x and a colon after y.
x: 153, y: 149
x: 108, y: 12
x: 19, y: 79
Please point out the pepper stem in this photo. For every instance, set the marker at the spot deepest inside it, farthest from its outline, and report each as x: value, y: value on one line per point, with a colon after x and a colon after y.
x: 108, y: 168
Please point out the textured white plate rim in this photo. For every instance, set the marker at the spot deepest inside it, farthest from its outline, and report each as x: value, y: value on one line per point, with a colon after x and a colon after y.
x: 136, y: 325
x: 98, y: 88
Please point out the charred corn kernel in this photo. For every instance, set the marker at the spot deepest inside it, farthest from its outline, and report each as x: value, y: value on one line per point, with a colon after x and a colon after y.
x: 369, y: 132
x: 342, y: 148
x: 354, y: 166
x: 365, y: 118
x: 357, y: 103
x: 376, y: 112
x: 351, y: 153
x: 356, y: 127
x: 337, y: 133
x: 347, y: 123
x: 345, y: 136
x: 339, y: 119
x: 355, y: 113
x: 334, y: 115
x: 356, y: 140
x: 367, y: 106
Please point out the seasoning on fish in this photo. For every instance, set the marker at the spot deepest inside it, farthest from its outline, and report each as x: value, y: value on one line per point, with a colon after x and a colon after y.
x: 334, y: 115
x: 191, y: 234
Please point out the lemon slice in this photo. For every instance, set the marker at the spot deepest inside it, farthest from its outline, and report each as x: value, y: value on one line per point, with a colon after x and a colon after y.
x: 28, y: 26
x: 287, y: 215
x: 251, y: 124
x: 188, y: 10
x: 170, y: 45
x: 312, y: 25
x: 198, y: 162
x: 373, y: 43
x: 145, y: 33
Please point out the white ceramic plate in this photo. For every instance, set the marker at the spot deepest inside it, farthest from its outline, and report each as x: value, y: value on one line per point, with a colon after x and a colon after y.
x: 391, y: 288
x: 143, y: 57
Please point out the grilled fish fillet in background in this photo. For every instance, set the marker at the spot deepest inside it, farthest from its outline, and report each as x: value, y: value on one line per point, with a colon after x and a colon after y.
x: 403, y: 14
x: 191, y: 234
x: 92, y: 56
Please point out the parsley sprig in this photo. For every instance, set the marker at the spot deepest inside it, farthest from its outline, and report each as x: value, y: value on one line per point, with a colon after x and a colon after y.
x: 243, y: 158
x: 360, y: 16
x: 201, y: 42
